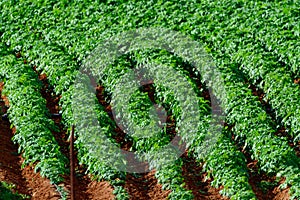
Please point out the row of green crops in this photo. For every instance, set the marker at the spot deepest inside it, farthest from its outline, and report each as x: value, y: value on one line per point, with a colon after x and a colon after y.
x: 147, y: 148
x: 29, y: 115
x: 96, y: 152
x: 259, y: 39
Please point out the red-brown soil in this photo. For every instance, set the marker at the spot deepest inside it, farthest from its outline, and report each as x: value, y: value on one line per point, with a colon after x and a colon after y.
x: 145, y: 187
x: 195, y: 181
x: 272, y: 192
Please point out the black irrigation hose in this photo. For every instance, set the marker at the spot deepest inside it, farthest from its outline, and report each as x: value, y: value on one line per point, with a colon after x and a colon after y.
x: 5, y: 117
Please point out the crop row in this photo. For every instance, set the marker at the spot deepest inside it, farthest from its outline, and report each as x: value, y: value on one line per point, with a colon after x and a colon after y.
x: 31, y: 118
x: 95, y: 165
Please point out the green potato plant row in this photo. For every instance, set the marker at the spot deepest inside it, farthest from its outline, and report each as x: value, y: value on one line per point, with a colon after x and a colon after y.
x: 169, y: 175
x: 29, y: 115
x: 97, y: 150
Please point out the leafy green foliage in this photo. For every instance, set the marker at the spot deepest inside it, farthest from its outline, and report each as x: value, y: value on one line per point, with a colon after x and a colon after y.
x: 256, y: 40
x: 29, y: 114
x: 6, y: 192
x: 101, y: 167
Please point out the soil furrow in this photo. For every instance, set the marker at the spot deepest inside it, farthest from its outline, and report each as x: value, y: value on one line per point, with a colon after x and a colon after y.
x: 195, y: 180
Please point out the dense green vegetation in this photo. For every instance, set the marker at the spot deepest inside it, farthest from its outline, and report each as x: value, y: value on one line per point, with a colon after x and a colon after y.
x: 6, y: 192
x: 251, y: 43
